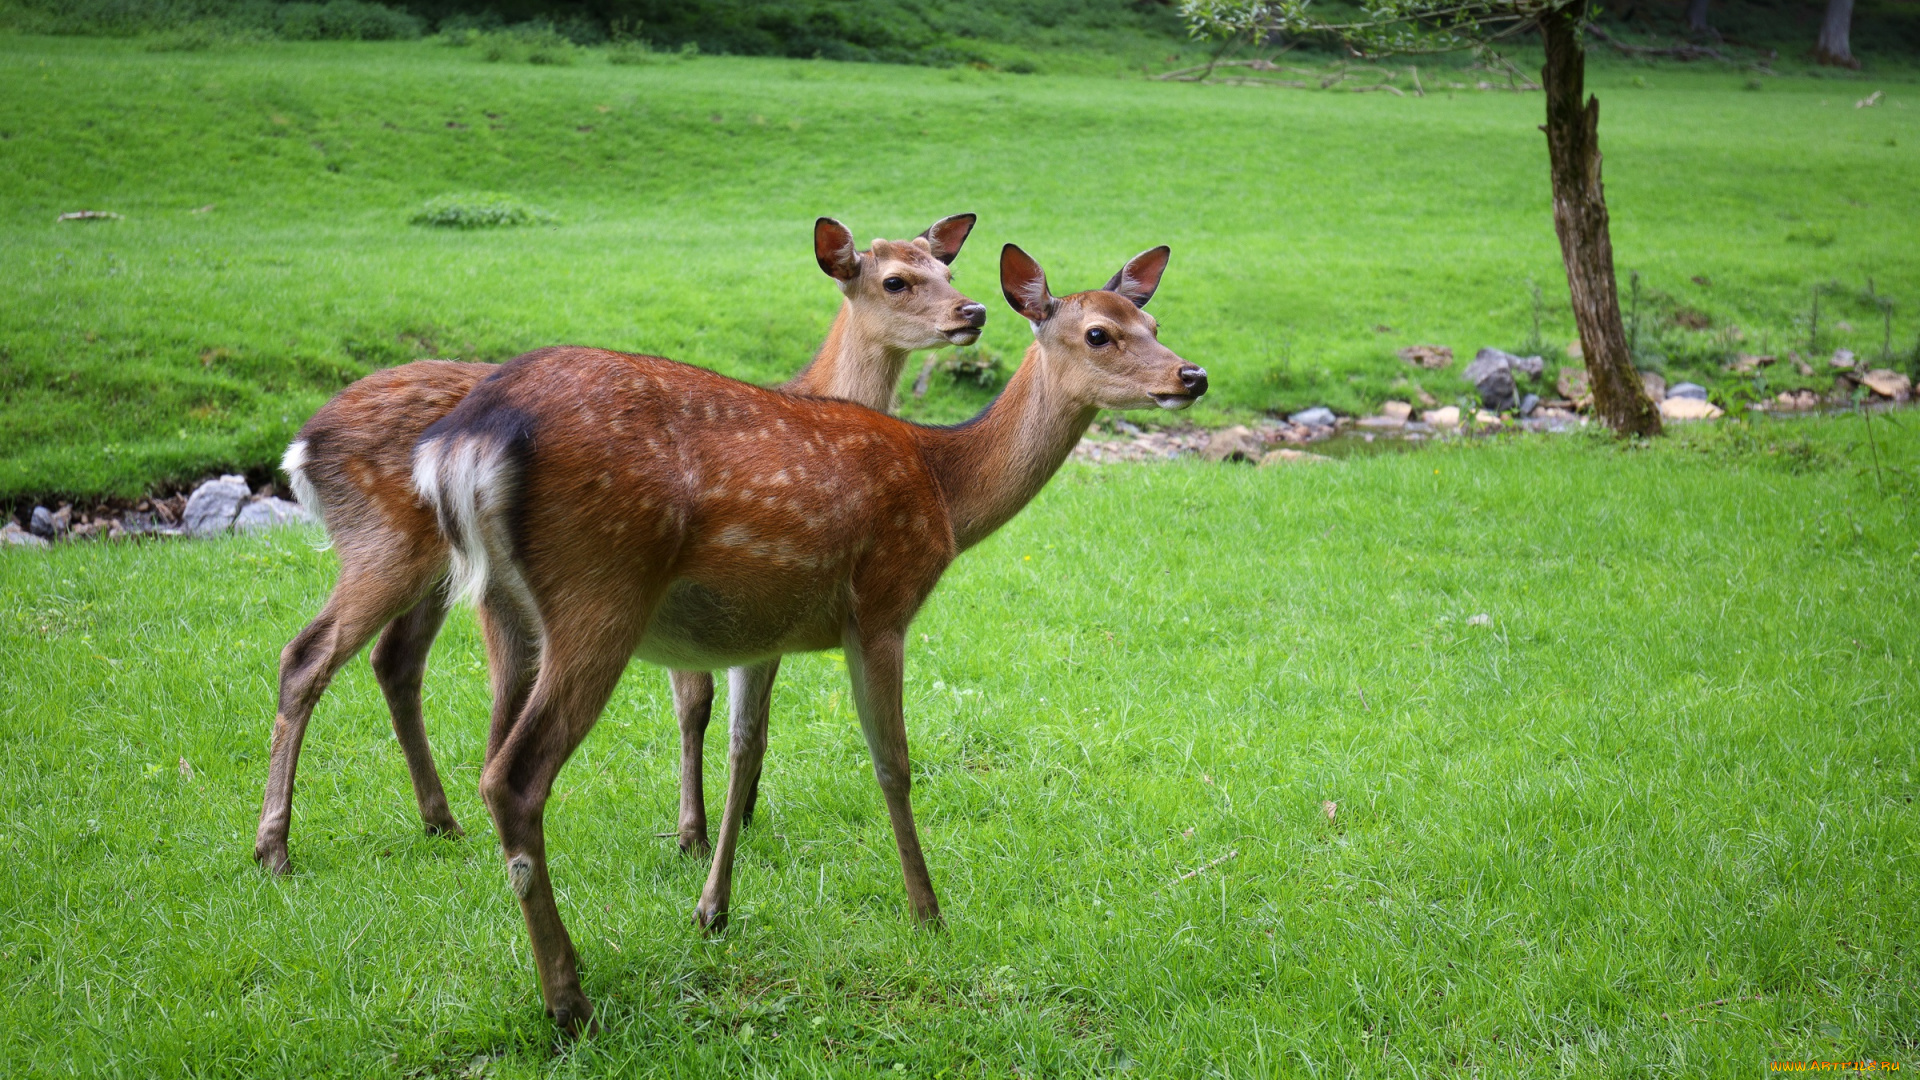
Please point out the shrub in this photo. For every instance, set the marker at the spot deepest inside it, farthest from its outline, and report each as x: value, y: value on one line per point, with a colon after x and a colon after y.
x: 633, y: 52
x: 345, y: 20
x: 479, y: 210
x: 530, y: 43
x: 202, y: 36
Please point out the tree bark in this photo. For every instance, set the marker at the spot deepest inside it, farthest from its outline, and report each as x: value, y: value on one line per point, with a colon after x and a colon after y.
x: 1832, y: 48
x: 1697, y: 18
x: 1580, y: 219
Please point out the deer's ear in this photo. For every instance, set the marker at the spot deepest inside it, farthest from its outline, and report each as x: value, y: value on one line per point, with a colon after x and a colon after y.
x: 1141, y: 276
x: 945, y: 236
x: 1025, y: 285
x: 833, y: 247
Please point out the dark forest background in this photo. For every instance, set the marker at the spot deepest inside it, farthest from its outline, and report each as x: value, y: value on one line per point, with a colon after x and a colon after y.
x: 939, y: 32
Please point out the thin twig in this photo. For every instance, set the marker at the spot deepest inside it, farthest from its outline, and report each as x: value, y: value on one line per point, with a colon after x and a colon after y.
x: 1280, y: 84
x: 1684, y: 51
x: 1715, y: 1003
x: 1197, y: 871
x: 1866, y: 417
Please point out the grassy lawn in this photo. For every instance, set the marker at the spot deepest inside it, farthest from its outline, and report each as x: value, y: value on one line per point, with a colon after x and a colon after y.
x: 1313, y: 233
x: 1675, y: 764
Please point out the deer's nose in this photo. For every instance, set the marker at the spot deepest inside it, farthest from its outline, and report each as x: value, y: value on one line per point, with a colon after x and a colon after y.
x: 975, y: 314
x: 1194, y: 379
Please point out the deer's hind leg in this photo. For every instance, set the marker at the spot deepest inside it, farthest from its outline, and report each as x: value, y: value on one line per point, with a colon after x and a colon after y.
x: 399, y: 662
x: 371, y: 592
x: 577, y: 674
x: 693, y: 708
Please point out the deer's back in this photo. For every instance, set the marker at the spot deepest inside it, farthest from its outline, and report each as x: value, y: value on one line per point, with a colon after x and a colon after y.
x: 748, y: 518
x: 359, y: 446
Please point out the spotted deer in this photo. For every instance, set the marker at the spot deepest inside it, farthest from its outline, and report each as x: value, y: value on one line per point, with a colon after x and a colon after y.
x: 604, y: 506
x: 352, y: 463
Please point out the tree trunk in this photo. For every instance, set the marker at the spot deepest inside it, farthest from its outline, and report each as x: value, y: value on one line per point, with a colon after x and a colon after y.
x: 1697, y: 18
x: 1580, y: 218
x: 1834, y: 31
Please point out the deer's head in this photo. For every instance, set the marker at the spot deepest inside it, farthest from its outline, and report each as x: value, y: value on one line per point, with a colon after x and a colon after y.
x: 1101, y: 344
x: 903, y: 290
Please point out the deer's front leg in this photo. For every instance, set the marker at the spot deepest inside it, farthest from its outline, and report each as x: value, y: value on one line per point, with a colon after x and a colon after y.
x: 748, y: 691
x: 693, y: 707
x: 876, y: 665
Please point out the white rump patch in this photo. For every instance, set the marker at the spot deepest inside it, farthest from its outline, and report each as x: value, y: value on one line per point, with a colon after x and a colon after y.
x: 294, y: 464
x: 467, y: 484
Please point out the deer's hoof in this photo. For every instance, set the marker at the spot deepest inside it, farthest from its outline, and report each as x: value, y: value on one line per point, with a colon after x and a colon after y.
x: 442, y: 824
x: 709, y: 919
x: 273, y: 857
x: 695, y: 844
x: 574, y: 1016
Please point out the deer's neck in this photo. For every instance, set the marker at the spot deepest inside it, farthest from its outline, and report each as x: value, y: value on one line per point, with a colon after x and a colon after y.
x: 852, y: 365
x: 990, y: 467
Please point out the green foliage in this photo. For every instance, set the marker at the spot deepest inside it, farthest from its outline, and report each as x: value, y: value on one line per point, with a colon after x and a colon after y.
x: 1375, y: 28
x: 975, y: 366
x: 938, y: 32
x: 205, y: 35
x: 1003, y: 33
x: 635, y: 52
x: 344, y: 20
x: 214, y: 23
x: 1668, y: 777
x: 531, y: 43
x: 479, y: 210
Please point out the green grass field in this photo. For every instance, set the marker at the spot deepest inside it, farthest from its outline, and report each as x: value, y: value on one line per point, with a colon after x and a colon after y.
x: 174, y: 342
x: 1674, y: 765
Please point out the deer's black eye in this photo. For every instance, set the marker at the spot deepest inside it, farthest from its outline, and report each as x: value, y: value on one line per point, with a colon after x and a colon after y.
x: 895, y: 284
x: 1097, y: 337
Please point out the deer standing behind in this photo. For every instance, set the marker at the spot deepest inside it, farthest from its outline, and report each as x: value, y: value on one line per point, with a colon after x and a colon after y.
x: 604, y: 506
x: 352, y: 464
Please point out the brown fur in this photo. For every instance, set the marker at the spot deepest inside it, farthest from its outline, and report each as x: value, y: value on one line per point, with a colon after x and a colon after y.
x: 645, y: 508
x: 358, y: 461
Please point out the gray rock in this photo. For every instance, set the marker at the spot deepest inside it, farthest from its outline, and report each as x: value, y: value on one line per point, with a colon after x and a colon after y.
x: 1493, y: 372
x: 1688, y: 390
x: 1487, y: 360
x: 1496, y: 388
x: 1318, y: 416
x: 212, y: 506
x: 1530, y: 366
x: 1656, y: 385
x: 42, y: 522
x: 17, y: 535
x: 1382, y: 423
x: 270, y: 513
x: 1528, y: 404
x: 1485, y: 363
